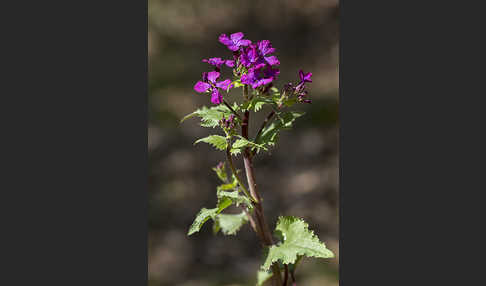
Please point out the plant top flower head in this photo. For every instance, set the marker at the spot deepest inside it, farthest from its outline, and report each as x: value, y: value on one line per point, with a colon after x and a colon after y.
x: 253, y: 65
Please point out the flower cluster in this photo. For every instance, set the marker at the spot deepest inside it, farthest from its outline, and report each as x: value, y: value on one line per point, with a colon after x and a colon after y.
x: 253, y: 64
x: 299, y: 89
x: 228, y: 123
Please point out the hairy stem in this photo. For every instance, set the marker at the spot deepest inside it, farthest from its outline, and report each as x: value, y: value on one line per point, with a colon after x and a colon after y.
x: 266, y: 235
x: 233, y: 170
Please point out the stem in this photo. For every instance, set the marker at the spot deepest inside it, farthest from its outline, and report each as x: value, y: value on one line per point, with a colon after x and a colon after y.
x: 233, y: 170
x: 232, y: 110
x: 267, y: 119
x: 286, y: 276
x: 266, y: 236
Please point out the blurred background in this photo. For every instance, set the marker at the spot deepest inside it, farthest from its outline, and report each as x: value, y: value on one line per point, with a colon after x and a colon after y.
x: 299, y: 177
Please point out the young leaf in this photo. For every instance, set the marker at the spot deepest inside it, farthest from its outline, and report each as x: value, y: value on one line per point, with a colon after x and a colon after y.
x: 235, y: 198
x: 241, y: 143
x: 256, y: 103
x: 269, y: 135
x: 217, y: 141
x: 231, y: 223
x: 298, y: 240
x: 203, y: 216
x: 221, y: 172
x: 262, y: 277
x: 210, y: 117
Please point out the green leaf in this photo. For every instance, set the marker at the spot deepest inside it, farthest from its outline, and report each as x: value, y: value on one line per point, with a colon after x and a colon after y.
x: 224, y: 203
x: 262, y: 277
x: 217, y: 141
x: 269, y: 135
x: 256, y: 103
x: 203, y: 216
x: 231, y: 223
x: 298, y: 240
x: 241, y: 143
x: 210, y: 117
x: 235, y: 198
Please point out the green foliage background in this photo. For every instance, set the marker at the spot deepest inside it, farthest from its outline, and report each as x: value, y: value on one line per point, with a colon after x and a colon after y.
x: 300, y: 177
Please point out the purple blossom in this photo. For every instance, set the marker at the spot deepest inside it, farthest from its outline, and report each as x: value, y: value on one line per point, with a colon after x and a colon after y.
x: 234, y: 41
x: 273, y: 61
x: 249, y: 56
x: 254, y: 78
x: 265, y: 47
x: 305, y: 77
x: 209, y: 84
x: 217, y: 62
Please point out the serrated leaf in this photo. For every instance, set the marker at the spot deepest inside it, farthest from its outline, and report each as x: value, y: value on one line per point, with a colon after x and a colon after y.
x: 203, y: 216
x: 242, y: 143
x: 269, y: 135
x: 256, y: 103
x: 224, y: 203
x: 235, y: 197
x: 298, y: 240
x: 210, y: 117
x: 262, y: 277
x: 258, y: 106
x: 231, y: 223
x: 217, y: 141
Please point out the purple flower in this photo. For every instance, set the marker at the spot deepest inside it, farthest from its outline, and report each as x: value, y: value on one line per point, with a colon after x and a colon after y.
x: 209, y: 84
x: 234, y: 41
x: 265, y: 47
x: 249, y: 56
x: 273, y: 61
x: 305, y: 77
x: 253, y: 78
x: 217, y: 62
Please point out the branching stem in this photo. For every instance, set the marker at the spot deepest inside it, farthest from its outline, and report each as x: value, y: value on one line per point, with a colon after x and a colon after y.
x: 265, y: 234
x: 232, y: 110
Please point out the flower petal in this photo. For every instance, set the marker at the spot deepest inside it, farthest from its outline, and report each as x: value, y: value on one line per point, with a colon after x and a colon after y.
x: 213, y: 76
x: 216, y: 97
x: 225, y: 40
x: 307, y: 77
x: 223, y: 84
x: 233, y: 47
x: 244, y: 42
x: 230, y: 63
x: 301, y: 75
x: 235, y: 37
x: 201, y: 86
x: 273, y: 61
